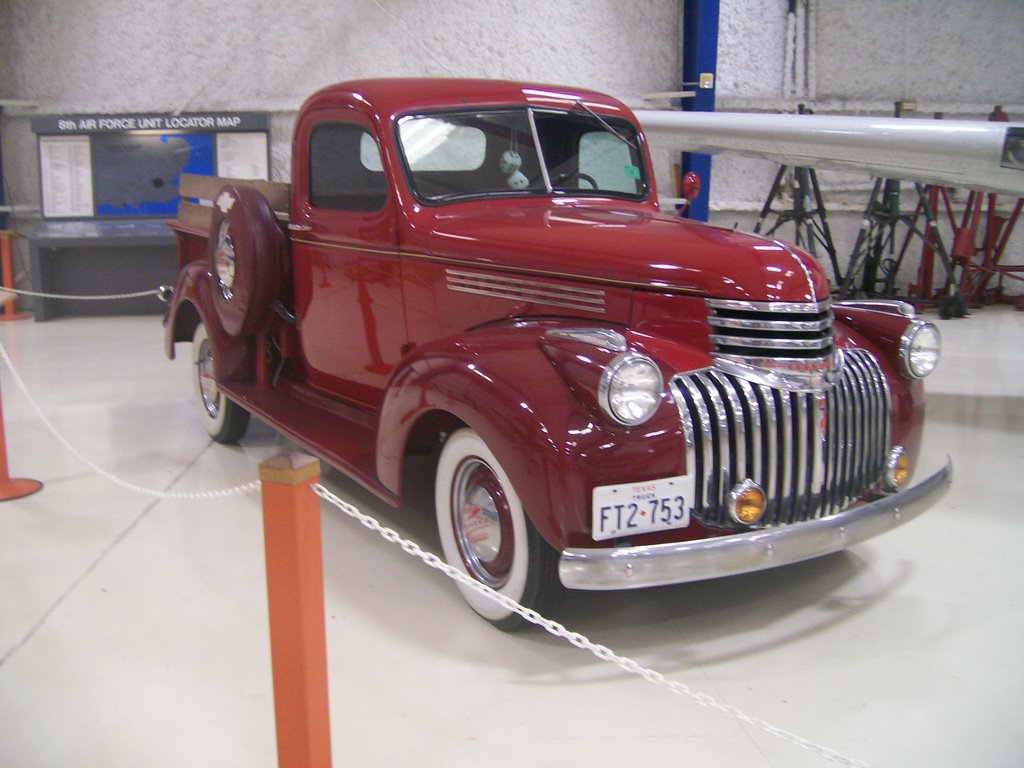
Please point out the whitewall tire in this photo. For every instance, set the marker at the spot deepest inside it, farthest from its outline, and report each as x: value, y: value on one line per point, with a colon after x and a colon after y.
x: 486, y: 534
x: 225, y: 421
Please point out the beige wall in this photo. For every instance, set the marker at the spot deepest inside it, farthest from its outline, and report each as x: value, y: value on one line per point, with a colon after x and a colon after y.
x: 851, y: 56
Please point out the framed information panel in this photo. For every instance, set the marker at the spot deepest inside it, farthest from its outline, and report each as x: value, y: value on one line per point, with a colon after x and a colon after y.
x: 128, y: 166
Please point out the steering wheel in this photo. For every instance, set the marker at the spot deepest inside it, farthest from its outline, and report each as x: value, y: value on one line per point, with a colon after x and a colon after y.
x: 560, y: 180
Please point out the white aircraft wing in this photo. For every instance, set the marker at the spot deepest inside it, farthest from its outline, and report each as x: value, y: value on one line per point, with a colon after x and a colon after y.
x: 954, y: 153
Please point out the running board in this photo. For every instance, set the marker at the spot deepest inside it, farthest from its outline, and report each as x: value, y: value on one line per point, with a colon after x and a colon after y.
x: 341, y: 435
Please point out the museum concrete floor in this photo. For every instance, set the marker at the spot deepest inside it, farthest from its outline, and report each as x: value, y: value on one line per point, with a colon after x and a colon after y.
x: 133, y: 629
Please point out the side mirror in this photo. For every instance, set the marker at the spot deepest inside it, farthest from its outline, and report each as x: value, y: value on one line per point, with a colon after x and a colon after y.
x: 690, y: 186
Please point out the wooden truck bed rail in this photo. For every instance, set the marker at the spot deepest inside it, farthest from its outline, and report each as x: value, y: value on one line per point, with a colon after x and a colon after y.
x: 194, y: 217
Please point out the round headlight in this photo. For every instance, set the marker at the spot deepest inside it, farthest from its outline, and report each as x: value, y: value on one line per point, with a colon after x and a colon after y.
x: 920, y: 348
x: 630, y: 389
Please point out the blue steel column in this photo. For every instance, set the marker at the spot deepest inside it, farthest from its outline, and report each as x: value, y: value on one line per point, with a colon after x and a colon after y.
x: 700, y: 55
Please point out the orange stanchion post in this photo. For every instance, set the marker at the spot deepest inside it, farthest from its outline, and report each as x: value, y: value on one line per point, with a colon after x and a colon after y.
x: 11, y: 488
x: 295, y: 592
x: 9, y: 313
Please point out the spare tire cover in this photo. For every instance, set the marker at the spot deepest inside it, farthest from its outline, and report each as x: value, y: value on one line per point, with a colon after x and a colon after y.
x: 247, y: 250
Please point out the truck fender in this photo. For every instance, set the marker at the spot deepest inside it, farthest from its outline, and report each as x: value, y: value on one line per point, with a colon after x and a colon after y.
x: 502, y: 384
x: 182, y: 316
x: 193, y: 303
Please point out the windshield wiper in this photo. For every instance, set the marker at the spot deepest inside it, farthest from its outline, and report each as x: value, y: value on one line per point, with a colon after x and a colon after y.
x: 458, y: 197
x: 605, y: 125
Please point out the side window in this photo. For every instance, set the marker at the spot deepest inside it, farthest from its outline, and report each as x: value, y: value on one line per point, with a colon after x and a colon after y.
x: 345, y: 170
x: 434, y: 144
x: 608, y: 160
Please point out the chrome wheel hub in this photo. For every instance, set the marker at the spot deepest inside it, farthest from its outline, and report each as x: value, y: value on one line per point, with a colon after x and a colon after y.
x: 208, y: 392
x: 482, y: 523
x: 224, y: 262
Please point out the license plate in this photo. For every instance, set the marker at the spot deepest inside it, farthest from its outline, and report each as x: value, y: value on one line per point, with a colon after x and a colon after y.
x: 632, y: 508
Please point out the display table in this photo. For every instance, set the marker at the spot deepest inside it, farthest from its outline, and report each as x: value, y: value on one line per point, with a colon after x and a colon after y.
x: 90, y: 258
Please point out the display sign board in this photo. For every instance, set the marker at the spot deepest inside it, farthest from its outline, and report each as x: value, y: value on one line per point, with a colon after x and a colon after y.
x: 125, y: 166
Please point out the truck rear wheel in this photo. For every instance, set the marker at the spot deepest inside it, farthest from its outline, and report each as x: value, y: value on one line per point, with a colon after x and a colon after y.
x: 225, y: 421
x: 486, y: 535
x: 246, y: 259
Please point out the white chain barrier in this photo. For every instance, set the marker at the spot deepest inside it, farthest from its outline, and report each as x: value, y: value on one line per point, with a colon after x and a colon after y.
x: 218, y: 494
x: 108, y: 297
x: 575, y: 638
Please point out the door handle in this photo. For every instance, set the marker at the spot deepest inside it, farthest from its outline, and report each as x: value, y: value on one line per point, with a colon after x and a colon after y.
x: 299, y: 228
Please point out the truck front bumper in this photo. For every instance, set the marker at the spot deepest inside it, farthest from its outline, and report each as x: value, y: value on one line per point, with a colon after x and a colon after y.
x: 660, y: 564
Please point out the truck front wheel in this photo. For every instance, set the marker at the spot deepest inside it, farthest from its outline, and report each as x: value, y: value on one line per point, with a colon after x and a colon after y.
x: 225, y: 421
x: 485, y: 533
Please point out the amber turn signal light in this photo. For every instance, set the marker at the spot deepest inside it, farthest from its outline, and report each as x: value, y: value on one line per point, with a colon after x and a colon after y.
x: 897, y: 469
x: 747, y: 503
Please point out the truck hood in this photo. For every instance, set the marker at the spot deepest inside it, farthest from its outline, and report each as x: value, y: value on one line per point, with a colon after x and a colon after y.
x: 628, y: 247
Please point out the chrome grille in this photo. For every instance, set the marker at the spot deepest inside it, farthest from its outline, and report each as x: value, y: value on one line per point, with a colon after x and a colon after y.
x: 811, y: 452
x: 749, y: 329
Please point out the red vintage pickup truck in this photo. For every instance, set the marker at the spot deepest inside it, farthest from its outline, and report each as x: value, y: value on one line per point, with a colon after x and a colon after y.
x: 615, y: 397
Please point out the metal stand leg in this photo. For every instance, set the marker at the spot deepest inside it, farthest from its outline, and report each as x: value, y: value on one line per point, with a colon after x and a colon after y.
x: 955, y: 306
x: 807, y: 213
x: 859, y: 252
x: 877, y: 237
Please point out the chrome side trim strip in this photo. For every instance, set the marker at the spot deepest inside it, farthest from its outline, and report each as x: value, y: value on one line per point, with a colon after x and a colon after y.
x: 603, y: 338
x: 498, y: 286
x: 900, y: 308
x: 661, y: 564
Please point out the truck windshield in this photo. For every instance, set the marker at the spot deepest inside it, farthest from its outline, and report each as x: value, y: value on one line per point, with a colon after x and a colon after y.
x: 463, y: 155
